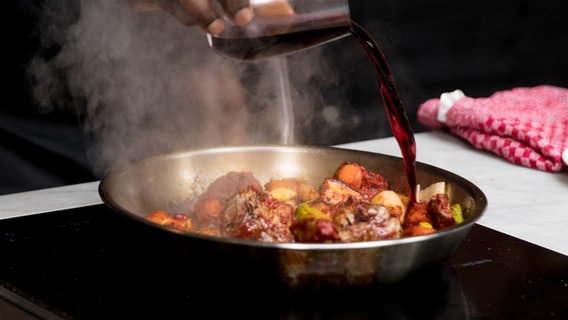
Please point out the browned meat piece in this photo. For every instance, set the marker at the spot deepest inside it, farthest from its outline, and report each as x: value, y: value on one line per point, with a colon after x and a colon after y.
x: 440, y: 211
x: 358, y: 177
x: 333, y: 191
x: 427, y: 217
x: 373, y: 183
x: 363, y: 221
x: 213, y: 200
x: 416, y: 214
x: 253, y: 214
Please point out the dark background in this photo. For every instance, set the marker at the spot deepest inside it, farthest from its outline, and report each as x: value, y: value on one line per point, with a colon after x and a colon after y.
x: 432, y: 47
x: 438, y: 46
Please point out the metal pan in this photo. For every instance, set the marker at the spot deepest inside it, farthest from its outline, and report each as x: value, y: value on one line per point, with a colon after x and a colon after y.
x: 173, y: 181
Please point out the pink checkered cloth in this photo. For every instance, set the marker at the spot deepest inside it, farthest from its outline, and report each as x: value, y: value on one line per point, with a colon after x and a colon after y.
x: 526, y: 126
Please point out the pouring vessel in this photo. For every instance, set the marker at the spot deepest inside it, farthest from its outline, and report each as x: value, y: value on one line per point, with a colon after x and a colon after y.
x: 281, y: 27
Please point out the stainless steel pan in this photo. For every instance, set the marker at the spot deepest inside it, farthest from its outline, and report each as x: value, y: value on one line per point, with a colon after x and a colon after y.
x: 173, y: 181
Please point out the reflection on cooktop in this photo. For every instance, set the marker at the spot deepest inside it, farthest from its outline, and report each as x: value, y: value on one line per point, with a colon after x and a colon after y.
x: 90, y: 263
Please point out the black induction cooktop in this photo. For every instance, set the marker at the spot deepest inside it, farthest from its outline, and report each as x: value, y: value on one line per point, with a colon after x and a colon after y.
x: 91, y: 263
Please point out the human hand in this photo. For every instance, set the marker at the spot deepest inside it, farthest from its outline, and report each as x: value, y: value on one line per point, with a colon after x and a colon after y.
x: 205, y: 13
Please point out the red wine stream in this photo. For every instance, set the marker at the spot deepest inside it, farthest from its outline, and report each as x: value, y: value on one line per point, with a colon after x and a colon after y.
x: 396, y: 114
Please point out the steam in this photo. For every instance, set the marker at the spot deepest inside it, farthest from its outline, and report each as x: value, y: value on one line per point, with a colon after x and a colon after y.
x: 146, y: 85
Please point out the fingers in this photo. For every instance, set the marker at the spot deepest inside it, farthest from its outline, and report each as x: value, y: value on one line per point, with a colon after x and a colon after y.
x: 239, y: 11
x: 211, y: 20
x: 204, y: 13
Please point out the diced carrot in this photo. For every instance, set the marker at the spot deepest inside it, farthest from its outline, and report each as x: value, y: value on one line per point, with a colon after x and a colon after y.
x: 159, y: 217
x: 417, y: 231
x: 350, y: 173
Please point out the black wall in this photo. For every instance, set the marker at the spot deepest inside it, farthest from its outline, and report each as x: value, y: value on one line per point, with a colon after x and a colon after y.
x: 437, y: 46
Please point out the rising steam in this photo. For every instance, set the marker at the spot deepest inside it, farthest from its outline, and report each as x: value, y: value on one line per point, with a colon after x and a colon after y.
x: 146, y: 84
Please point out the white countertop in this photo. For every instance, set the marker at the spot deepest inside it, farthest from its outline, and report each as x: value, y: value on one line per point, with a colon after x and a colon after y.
x: 526, y: 203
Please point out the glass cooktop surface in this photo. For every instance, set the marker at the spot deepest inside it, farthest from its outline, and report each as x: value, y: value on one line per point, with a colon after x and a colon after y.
x: 91, y: 263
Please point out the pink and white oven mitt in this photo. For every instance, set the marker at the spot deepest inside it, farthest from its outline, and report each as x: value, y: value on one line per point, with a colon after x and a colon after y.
x: 526, y: 126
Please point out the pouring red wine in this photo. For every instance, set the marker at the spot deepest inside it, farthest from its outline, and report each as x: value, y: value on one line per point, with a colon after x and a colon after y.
x: 251, y: 48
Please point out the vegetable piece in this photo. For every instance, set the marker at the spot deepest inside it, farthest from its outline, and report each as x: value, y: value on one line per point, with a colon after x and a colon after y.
x: 306, y: 191
x: 303, y: 189
x: 283, y: 194
x: 417, y: 231
x: 351, y: 174
x: 312, y: 224
x: 392, y: 201
x: 178, y: 220
x: 425, y: 225
x: 160, y: 217
x: 427, y: 193
x: 356, y: 176
x: 307, y: 211
x: 457, y: 213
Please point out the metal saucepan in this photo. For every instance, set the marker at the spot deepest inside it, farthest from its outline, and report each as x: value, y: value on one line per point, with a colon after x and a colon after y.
x: 172, y: 182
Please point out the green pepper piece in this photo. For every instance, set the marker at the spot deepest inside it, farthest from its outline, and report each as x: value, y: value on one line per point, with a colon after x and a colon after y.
x: 457, y: 213
x: 306, y: 211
